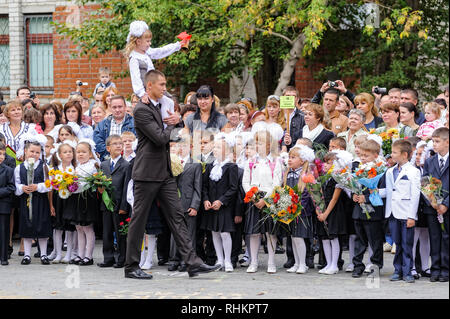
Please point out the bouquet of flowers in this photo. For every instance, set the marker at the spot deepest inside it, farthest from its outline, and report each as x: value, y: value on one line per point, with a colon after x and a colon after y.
x: 123, y: 226
x: 99, y: 181
x: 176, y: 165
x: 388, y: 137
x: 314, y: 187
x: 368, y: 175
x: 283, y: 205
x: 254, y: 195
x: 30, y: 178
x: 65, y: 183
x: 342, y: 173
x: 431, y: 188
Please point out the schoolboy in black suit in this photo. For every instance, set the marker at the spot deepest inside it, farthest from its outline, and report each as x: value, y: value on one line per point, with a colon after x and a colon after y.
x: 116, y: 167
x: 438, y: 166
x: 7, y: 189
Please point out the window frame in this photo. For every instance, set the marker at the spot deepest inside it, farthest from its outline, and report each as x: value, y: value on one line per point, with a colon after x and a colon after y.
x: 4, y: 40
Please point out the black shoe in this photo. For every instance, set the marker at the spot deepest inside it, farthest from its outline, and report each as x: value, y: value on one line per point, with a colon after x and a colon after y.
x: 234, y: 264
x: 75, y: 261
x: 5, y: 263
x: 182, y: 268
x: 289, y: 263
x: 434, y: 278
x: 173, y: 267
x: 26, y: 260
x: 105, y: 265
x: 162, y: 262
x: 118, y: 265
x: 425, y: 274
x: 44, y: 260
x: 137, y: 274
x: 357, y: 273
x: 64, y: 247
x: 86, y: 262
x: 21, y: 253
x: 310, y: 263
x: 37, y: 255
x: 416, y: 276
x: 279, y: 250
x: 203, y: 268
x: 10, y: 250
x: 319, y: 266
x: 443, y: 278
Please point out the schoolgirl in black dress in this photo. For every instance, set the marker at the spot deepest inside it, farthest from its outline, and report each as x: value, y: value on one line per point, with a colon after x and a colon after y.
x: 63, y: 159
x: 332, y: 222
x: 36, y: 224
x: 219, y: 194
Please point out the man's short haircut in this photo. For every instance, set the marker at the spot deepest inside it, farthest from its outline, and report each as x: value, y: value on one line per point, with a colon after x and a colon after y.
x: 118, y: 97
x: 394, y: 90
x: 334, y: 92
x: 411, y: 92
x: 111, y: 138
x: 231, y: 107
x: 441, y: 132
x: 128, y: 134
x: 371, y: 146
x: 340, y: 141
x: 104, y: 70
x: 290, y: 88
x: 404, y: 146
x: 22, y: 88
x: 153, y: 75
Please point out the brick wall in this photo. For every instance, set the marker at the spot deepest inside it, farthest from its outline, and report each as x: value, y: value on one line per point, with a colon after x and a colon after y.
x: 67, y: 70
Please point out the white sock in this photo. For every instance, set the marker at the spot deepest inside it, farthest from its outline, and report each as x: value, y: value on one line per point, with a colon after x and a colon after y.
x: 57, y: 243
x: 81, y: 241
x: 43, y: 246
x: 301, y: 250
x: 295, y: 251
x: 74, y: 244
x: 227, y: 245
x: 27, y: 243
x: 255, y: 241
x: 217, y: 241
x: 53, y: 253
x: 326, y: 244
x: 334, y: 253
x: 151, y: 249
x: 424, y: 248
x: 351, y: 247
x: 271, y: 247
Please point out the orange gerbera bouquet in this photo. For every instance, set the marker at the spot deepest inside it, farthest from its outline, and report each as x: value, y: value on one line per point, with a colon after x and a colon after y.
x: 431, y: 189
x: 254, y: 195
x: 283, y: 205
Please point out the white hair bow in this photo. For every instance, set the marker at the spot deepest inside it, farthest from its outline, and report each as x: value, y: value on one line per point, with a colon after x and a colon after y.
x: 137, y: 29
x: 31, y: 138
x: 92, y: 146
x: 343, y: 158
x: 306, y: 153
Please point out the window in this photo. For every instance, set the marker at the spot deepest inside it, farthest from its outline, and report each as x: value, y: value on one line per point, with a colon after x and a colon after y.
x: 39, y: 52
x: 4, y: 53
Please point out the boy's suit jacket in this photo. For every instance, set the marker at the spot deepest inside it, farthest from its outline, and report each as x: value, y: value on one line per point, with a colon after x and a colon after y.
x: 7, y: 188
x: 190, y: 185
x: 403, y: 194
x: 120, y: 180
x: 431, y: 168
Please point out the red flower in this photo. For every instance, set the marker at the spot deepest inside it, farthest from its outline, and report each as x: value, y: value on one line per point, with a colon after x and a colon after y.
x: 276, y: 198
x: 121, y: 224
x: 128, y: 219
x: 294, y: 198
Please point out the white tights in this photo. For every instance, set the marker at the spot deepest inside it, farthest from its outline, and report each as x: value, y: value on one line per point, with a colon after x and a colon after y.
x: 86, y: 241
x: 331, y: 251
x: 147, y: 260
x: 299, y: 249
x: 222, y: 245
x: 421, y: 233
x: 28, y: 242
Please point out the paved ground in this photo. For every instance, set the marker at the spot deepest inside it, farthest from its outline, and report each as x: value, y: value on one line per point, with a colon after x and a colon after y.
x: 67, y: 281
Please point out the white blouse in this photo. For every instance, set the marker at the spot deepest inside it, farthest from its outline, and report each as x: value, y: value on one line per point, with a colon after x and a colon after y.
x: 14, y: 141
x: 84, y: 170
x: 152, y: 53
x: 261, y: 176
x: 41, y: 186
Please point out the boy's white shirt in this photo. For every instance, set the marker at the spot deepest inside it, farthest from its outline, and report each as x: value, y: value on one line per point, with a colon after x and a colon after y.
x: 402, y: 196
x: 41, y: 186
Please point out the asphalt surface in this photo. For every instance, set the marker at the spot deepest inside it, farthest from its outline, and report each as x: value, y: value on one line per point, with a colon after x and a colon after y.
x: 36, y: 281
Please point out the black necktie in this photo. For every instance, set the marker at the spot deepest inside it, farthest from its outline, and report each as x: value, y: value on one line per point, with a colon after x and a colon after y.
x: 112, y: 166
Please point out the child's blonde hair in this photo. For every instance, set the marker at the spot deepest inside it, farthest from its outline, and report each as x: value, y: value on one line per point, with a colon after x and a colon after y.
x: 131, y: 45
x: 104, y: 70
x: 434, y: 107
x: 370, y: 146
x: 128, y: 134
x: 359, y: 140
